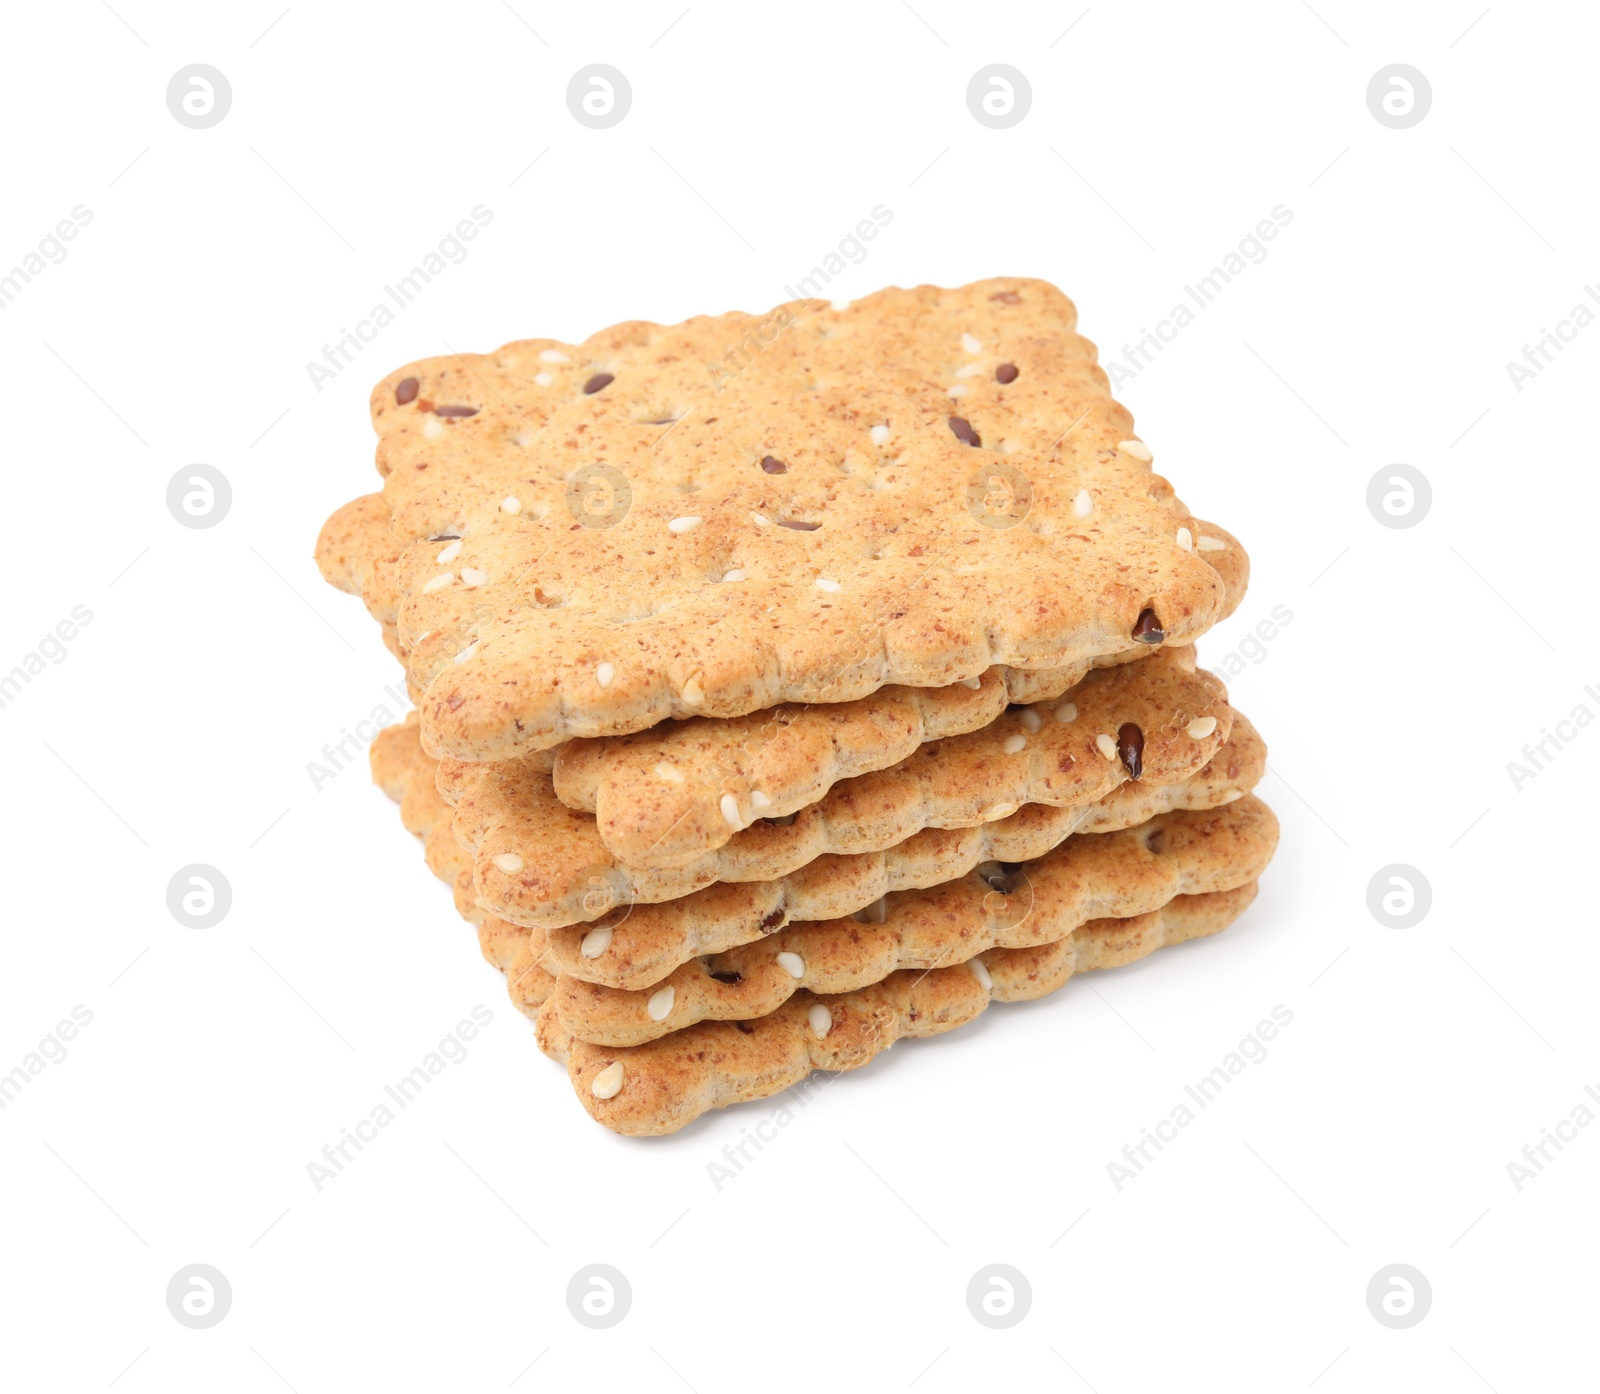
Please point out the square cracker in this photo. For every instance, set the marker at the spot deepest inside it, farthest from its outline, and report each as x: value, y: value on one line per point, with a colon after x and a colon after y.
x: 871, y: 498
x: 656, y: 1088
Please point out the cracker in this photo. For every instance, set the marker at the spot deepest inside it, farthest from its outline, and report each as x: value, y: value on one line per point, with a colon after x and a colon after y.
x: 995, y: 907
x: 672, y: 797
x: 672, y: 1081
x: 792, y: 753
x: 1091, y: 874
x: 605, y: 493
x: 539, y: 862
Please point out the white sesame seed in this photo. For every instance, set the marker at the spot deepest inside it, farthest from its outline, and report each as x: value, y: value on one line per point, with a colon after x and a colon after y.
x: 686, y: 524
x: 997, y: 811
x: 1030, y: 719
x: 760, y: 520
x: 1212, y: 544
x: 608, y: 1083
x: 969, y: 370
x: 1083, y: 505
x: 511, y: 503
x: 1136, y: 448
x: 1186, y: 539
x: 1106, y: 745
x: 472, y: 578
x: 544, y: 379
x: 433, y: 428
x: 793, y: 964
x: 957, y: 390
x: 820, y: 1018
x: 693, y: 693
x: 1015, y: 745
x: 671, y: 773
x: 604, y: 673
x: 980, y: 970
x: 734, y: 575
x: 553, y: 356
x: 1066, y: 712
x: 973, y: 683
x: 450, y: 553
x: 759, y: 799
x: 439, y: 582
x: 879, y: 434
x: 825, y: 583
x: 839, y: 306
x: 1232, y: 795
x: 730, y: 811
x: 1201, y: 727
x: 660, y: 1004
x: 971, y: 343
x: 596, y: 942
x: 508, y: 861
x: 467, y: 652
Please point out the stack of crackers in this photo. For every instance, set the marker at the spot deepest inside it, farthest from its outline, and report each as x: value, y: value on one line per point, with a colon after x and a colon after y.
x: 789, y: 684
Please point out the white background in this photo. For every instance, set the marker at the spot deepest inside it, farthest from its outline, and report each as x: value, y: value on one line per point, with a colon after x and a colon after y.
x: 1418, y: 662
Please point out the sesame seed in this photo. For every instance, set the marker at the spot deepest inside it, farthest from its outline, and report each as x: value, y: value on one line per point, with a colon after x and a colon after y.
x: 980, y: 970
x: 1066, y: 712
x: 793, y: 964
x: 433, y: 428
x: 734, y: 575
x: 1136, y: 448
x: 879, y: 434
x: 671, y: 773
x: 523, y: 439
x: 608, y: 1083
x: 958, y: 390
x: 820, y: 1018
x: 660, y: 1004
x: 596, y: 942
x: 1201, y: 727
x: 687, y: 524
x: 760, y: 520
x: 1029, y: 718
x: 1186, y: 539
x: 544, y: 379
x: 508, y: 861
x: 472, y: 577
x: 604, y: 673
x: 1232, y: 795
x: 730, y: 812
x: 439, y: 582
x: 759, y: 799
x: 450, y: 553
x: 1015, y: 745
x: 825, y: 583
x: 693, y: 693
x: 997, y: 811
x: 971, y: 343
x: 553, y: 356
x: 1212, y: 544
x: 839, y: 305
x: 1083, y: 505
x: 1106, y: 746
x: 973, y: 683
x: 511, y: 503
x: 467, y: 652
x: 969, y: 370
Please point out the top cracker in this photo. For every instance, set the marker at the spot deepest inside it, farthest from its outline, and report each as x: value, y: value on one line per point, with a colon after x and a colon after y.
x: 712, y: 518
